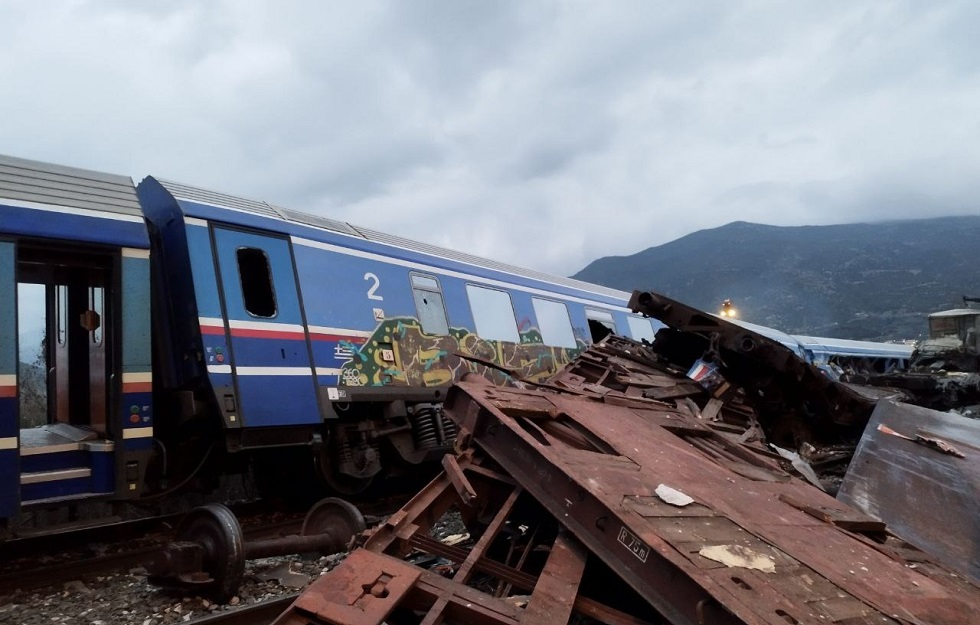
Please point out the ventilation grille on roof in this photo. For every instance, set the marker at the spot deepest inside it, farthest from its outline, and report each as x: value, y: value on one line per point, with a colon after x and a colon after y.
x: 196, y: 194
x: 320, y: 222
x: 56, y: 185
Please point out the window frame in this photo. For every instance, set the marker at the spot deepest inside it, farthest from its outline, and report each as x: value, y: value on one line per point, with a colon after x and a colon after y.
x: 271, y: 282
x: 590, y: 315
x: 476, y: 324
x: 646, y: 320
x: 427, y: 289
x: 568, y: 317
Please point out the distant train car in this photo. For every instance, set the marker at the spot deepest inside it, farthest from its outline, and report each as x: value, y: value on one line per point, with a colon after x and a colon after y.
x: 270, y: 330
x: 832, y: 356
x: 835, y: 355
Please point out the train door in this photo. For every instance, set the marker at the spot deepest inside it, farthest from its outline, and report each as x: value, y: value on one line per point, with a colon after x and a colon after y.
x: 270, y: 354
x: 64, y: 326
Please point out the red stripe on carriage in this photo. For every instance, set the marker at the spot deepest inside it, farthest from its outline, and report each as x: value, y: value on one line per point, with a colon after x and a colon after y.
x: 251, y: 333
x: 137, y: 387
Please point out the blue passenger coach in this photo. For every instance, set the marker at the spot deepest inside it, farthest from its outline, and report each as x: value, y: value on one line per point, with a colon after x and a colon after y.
x: 76, y: 414
x: 303, y: 330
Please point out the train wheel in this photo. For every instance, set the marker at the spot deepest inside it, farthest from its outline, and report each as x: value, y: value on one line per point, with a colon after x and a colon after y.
x: 335, y: 517
x: 216, y: 529
x: 338, y: 482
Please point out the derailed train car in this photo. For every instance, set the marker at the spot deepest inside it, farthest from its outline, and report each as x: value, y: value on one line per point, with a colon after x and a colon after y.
x: 269, y: 330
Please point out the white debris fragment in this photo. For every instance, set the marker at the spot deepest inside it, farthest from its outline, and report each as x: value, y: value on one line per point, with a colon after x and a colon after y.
x: 673, y: 496
x: 802, y: 466
x: 739, y: 556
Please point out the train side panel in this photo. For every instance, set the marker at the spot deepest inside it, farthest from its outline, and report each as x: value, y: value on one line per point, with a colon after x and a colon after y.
x: 370, y: 310
x: 9, y: 455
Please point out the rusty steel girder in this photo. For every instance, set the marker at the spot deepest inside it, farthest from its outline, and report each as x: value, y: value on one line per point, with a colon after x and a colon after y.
x: 745, y: 550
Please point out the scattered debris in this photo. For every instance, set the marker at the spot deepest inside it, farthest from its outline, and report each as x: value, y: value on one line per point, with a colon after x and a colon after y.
x: 672, y: 496
x: 802, y: 466
x: 928, y: 441
x: 739, y: 556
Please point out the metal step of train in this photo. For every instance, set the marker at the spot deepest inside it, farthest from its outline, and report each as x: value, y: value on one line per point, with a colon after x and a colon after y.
x: 64, y: 462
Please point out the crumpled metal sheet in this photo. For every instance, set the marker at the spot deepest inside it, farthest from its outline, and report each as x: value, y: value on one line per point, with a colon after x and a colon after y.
x: 926, y: 496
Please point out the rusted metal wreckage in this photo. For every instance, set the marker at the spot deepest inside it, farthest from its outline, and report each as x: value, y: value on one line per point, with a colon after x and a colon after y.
x: 621, y: 492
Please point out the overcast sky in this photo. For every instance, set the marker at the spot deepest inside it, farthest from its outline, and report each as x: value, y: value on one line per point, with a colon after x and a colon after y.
x: 545, y: 134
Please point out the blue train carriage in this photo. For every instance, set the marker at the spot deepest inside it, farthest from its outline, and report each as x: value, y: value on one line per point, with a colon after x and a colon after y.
x: 305, y: 331
x: 76, y: 417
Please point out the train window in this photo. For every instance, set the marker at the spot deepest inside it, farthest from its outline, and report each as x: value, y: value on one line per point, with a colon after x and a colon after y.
x: 493, y: 314
x: 255, y: 274
x: 428, y: 302
x: 554, y: 323
x: 601, y: 324
x: 641, y: 329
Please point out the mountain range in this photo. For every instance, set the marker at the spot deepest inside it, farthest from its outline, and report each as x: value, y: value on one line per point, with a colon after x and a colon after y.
x: 866, y: 281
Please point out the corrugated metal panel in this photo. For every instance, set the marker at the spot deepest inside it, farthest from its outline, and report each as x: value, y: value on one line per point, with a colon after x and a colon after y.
x: 214, y: 198
x: 425, y: 248
x: 44, y: 183
x: 317, y: 221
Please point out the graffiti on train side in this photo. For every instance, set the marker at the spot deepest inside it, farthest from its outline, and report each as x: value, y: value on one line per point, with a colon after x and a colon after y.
x: 400, y: 354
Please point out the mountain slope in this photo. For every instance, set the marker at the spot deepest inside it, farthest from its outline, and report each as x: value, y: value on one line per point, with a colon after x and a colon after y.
x: 861, y: 281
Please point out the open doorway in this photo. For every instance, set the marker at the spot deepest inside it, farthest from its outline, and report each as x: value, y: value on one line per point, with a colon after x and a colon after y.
x: 63, y: 327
